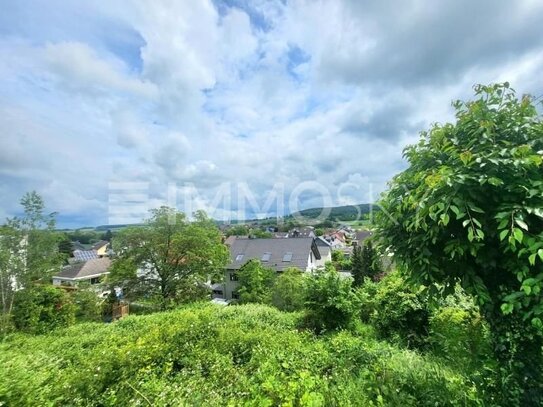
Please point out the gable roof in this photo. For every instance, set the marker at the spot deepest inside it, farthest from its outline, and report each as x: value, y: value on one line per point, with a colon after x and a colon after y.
x: 83, y: 270
x: 276, y: 248
x: 229, y: 240
x: 99, y: 244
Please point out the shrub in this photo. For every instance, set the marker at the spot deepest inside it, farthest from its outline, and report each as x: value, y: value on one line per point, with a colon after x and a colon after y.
x: 88, y: 305
x: 255, y: 282
x: 459, y: 335
x: 41, y: 308
x: 289, y: 290
x: 207, y: 355
x: 330, y: 302
x: 396, y: 310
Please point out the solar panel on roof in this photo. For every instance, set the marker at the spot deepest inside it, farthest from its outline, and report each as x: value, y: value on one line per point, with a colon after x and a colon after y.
x: 85, y: 255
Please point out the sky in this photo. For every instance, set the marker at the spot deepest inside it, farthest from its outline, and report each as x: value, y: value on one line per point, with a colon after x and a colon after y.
x: 240, y: 107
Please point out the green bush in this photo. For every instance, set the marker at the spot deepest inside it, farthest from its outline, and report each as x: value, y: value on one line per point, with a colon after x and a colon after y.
x: 396, y: 310
x: 255, y: 282
x: 330, y: 302
x: 41, y: 308
x: 289, y: 290
x: 459, y: 335
x: 88, y: 305
x: 207, y: 355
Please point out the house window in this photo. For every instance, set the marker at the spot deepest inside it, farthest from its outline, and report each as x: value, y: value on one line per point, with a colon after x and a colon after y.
x: 233, y: 276
x: 266, y: 257
x: 287, y: 256
x: 239, y: 257
x: 217, y: 292
x: 95, y: 280
x: 235, y: 295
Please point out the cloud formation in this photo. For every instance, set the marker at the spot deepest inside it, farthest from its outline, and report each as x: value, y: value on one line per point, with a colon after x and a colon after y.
x: 196, y: 95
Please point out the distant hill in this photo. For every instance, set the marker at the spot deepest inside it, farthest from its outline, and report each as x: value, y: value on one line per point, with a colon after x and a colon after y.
x: 337, y: 213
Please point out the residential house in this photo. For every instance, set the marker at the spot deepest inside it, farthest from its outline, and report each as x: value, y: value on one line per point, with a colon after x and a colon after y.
x: 277, y: 254
x: 360, y: 236
x: 84, y: 255
x: 101, y: 248
x: 308, y: 231
x: 335, y: 240
x: 90, y: 271
x: 97, y: 250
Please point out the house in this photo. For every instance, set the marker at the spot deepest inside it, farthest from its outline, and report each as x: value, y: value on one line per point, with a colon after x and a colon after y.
x: 303, y: 232
x: 101, y: 248
x: 97, y: 250
x: 335, y: 240
x: 360, y: 236
x: 84, y: 255
x: 78, y: 246
x: 277, y: 254
x: 89, y: 271
x: 229, y: 240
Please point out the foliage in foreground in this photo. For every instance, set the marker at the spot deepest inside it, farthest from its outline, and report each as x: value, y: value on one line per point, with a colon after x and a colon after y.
x: 207, y: 355
x: 468, y: 210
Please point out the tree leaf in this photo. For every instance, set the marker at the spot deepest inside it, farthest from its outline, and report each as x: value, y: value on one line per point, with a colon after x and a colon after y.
x: 519, y: 235
x: 522, y: 224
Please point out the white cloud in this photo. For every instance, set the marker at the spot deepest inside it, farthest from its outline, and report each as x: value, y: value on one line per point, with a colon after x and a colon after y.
x: 263, y: 93
x: 78, y: 67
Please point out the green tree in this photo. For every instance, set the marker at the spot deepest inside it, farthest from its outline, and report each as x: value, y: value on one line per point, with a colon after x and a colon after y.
x: 468, y: 209
x: 107, y: 236
x: 87, y: 303
x: 41, y: 255
x: 330, y: 302
x: 357, y: 267
x: 238, y: 230
x: 65, y: 246
x: 371, y: 263
x: 255, y: 282
x: 28, y: 252
x: 260, y: 234
x: 176, y: 256
x: 40, y: 308
x: 288, y: 292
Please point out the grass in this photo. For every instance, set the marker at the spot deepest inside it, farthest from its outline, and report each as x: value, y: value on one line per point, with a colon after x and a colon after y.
x: 209, y: 355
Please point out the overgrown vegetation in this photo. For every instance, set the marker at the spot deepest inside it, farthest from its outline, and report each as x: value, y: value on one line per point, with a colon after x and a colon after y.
x: 206, y: 355
x: 457, y: 322
x: 468, y: 210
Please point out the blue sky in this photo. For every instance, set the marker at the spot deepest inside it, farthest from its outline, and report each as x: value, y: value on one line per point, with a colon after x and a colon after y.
x: 209, y: 99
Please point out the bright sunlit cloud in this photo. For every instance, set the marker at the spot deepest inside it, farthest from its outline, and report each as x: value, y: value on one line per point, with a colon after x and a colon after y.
x: 201, y: 93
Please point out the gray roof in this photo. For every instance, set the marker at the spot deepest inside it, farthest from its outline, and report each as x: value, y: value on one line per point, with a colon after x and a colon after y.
x: 78, y: 271
x: 362, y: 235
x: 277, y: 249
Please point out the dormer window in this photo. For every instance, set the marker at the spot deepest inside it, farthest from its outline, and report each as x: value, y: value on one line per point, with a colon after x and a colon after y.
x: 266, y: 257
x: 239, y: 257
x: 287, y: 256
